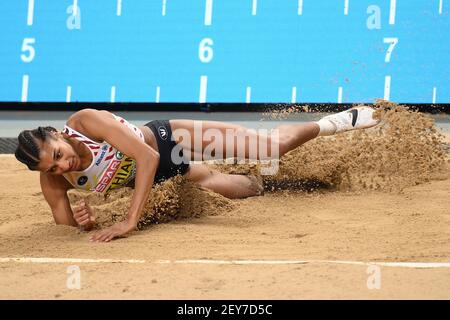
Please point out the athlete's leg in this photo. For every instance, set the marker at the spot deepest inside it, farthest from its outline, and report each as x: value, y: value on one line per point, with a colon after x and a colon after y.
x: 234, y: 140
x: 196, y: 136
x: 238, y: 141
x: 232, y: 186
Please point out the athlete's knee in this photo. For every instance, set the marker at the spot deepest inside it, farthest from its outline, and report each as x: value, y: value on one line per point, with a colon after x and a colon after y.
x: 256, y: 185
x: 284, y: 143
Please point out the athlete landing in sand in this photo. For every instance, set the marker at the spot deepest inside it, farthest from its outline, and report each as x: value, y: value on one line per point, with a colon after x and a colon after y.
x: 99, y: 151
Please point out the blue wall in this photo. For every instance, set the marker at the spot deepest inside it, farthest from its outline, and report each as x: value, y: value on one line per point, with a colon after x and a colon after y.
x: 329, y: 50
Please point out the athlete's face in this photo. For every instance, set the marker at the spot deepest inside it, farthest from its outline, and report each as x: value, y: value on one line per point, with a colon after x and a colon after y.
x: 58, y: 156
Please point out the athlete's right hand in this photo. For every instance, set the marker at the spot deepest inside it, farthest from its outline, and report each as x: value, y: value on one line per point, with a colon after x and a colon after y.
x: 83, y: 213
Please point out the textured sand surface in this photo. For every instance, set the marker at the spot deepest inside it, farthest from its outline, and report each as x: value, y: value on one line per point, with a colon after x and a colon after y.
x: 380, y: 195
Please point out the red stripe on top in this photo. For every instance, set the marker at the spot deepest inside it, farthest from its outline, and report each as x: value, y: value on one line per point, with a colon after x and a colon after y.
x: 110, y: 149
x: 109, y: 157
x: 94, y: 147
x: 88, y: 142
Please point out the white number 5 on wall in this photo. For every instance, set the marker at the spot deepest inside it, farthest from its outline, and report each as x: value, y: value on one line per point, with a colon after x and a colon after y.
x: 28, y: 51
x: 393, y: 42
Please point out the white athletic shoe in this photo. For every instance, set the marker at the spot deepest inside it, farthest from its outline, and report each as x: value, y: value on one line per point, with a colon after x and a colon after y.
x: 354, y: 118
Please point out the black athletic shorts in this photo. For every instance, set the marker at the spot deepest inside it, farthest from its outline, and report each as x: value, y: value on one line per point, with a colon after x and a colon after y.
x: 167, y: 167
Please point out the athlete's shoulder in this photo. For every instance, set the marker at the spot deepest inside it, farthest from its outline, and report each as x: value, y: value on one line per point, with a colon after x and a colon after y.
x: 79, y: 120
x: 88, y: 113
x: 54, y: 182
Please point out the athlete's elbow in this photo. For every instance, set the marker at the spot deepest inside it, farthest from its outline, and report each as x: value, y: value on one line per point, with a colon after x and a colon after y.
x: 149, y: 156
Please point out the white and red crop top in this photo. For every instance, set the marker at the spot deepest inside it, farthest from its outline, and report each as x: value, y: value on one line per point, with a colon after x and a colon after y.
x: 110, y: 169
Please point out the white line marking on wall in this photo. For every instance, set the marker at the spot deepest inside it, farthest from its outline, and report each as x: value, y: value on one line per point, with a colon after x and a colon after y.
x: 294, y: 95
x: 164, y: 3
x: 392, y: 12
x: 203, y: 89
x: 440, y: 6
x: 25, y: 79
x: 68, y: 93
x: 387, y: 87
x: 254, y: 7
x: 119, y: 7
x: 113, y: 94
x: 158, y: 94
x: 75, y: 7
x: 208, y: 12
x: 340, y: 91
x: 434, y: 94
x: 30, y: 12
x: 346, y: 7
x: 248, y: 94
x: 300, y: 7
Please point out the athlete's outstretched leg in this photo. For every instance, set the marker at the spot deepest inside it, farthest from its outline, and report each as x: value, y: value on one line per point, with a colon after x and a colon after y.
x: 290, y: 136
x: 230, y: 140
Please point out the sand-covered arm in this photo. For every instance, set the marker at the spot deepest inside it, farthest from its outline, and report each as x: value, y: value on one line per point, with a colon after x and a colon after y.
x: 101, y: 125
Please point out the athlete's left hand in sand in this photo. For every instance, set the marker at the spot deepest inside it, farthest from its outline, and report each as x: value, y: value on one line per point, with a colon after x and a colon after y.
x: 118, y: 230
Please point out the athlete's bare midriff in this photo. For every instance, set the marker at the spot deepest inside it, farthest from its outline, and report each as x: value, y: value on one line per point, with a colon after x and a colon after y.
x: 149, y: 137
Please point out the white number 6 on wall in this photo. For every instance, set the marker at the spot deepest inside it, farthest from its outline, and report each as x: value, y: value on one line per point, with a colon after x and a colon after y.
x: 28, y: 51
x: 393, y: 42
x: 205, y: 50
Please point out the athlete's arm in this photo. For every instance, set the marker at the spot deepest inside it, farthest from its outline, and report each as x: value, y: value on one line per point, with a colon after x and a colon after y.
x: 54, y: 188
x: 102, y: 126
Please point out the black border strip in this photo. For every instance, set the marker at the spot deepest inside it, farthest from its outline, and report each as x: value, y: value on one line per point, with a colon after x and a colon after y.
x: 203, y: 107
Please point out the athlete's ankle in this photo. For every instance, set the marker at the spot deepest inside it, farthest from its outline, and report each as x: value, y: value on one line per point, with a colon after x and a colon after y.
x: 326, y: 127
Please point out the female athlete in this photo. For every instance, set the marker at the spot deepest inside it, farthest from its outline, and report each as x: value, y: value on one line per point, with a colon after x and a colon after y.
x: 99, y: 151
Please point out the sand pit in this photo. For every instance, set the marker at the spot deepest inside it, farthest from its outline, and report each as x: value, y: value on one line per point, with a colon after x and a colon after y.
x: 378, y: 195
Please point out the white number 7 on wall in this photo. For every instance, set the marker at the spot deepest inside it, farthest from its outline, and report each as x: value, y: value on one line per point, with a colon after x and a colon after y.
x: 392, y: 42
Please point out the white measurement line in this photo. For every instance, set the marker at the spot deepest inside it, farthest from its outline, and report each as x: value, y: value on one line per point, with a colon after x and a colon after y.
x: 25, y: 79
x: 75, y: 7
x: 208, y: 12
x: 392, y: 12
x: 67, y: 260
x: 203, y: 89
x: 339, y: 99
x: 164, y: 3
x: 434, y: 95
x: 68, y: 93
x: 419, y: 265
x: 346, y: 7
x: 440, y: 6
x: 294, y: 95
x: 113, y: 94
x: 119, y: 7
x: 415, y: 265
x: 387, y: 87
x: 254, y: 7
x: 30, y: 12
x: 248, y: 94
x: 300, y: 7
x: 158, y: 94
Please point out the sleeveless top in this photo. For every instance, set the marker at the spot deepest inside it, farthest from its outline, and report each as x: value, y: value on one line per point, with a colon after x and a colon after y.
x: 110, y: 169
